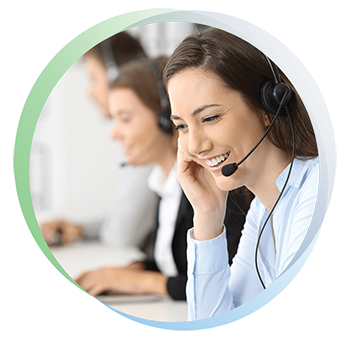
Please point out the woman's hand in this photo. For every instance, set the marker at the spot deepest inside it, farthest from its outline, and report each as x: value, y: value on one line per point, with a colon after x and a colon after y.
x: 207, y: 200
x: 60, y: 231
x: 123, y: 280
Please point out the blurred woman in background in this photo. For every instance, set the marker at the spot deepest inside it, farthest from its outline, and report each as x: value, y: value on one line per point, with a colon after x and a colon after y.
x: 102, y: 64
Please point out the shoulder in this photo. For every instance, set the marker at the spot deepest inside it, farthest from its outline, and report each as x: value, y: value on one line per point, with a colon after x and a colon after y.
x: 310, y: 179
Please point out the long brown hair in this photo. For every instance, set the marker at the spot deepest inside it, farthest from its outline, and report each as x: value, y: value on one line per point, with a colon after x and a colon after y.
x: 124, y: 49
x: 244, y: 68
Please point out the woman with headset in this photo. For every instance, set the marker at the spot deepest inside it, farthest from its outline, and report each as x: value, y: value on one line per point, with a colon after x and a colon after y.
x: 102, y: 63
x: 239, y: 125
x: 139, y: 107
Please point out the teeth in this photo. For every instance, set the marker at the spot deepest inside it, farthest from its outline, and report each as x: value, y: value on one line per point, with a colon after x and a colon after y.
x: 217, y: 160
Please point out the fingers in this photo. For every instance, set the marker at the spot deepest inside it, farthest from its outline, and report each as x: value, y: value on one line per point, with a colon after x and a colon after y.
x: 185, y: 163
x: 91, y: 283
x: 59, y: 231
x: 71, y: 233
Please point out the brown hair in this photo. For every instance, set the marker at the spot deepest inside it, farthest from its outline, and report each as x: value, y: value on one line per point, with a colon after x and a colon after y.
x: 124, y: 48
x: 139, y: 76
x: 244, y: 68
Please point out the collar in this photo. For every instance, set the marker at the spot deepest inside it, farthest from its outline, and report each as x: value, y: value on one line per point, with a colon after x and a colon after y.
x: 161, y: 184
x: 299, y: 171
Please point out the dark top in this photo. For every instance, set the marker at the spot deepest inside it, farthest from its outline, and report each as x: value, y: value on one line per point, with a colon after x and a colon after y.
x: 237, y: 206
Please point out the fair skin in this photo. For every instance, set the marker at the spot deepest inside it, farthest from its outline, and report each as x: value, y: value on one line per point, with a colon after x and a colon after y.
x: 215, y: 121
x: 98, y: 89
x: 135, y: 127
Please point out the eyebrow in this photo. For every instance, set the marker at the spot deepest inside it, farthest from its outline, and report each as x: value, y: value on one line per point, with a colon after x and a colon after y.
x: 196, y: 111
x: 120, y: 112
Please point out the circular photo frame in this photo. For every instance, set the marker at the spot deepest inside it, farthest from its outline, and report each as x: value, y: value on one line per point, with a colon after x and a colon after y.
x: 266, y: 43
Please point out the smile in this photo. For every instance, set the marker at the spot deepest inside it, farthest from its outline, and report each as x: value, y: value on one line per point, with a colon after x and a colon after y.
x: 216, y: 161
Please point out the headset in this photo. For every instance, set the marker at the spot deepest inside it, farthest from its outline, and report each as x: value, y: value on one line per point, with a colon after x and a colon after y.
x: 164, y: 122
x: 111, y: 65
x: 274, y: 96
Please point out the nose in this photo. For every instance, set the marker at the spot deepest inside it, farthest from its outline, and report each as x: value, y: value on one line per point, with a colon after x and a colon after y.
x: 198, y: 142
x: 115, y: 133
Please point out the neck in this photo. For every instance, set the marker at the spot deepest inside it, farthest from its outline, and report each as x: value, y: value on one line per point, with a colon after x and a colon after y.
x: 264, y: 186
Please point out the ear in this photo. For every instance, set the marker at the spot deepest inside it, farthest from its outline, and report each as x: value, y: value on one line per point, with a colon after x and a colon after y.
x: 267, y: 120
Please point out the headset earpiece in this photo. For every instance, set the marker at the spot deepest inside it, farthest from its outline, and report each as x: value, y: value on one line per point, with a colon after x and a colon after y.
x: 165, y: 124
x: 112, y: 68
x: 271, y: 95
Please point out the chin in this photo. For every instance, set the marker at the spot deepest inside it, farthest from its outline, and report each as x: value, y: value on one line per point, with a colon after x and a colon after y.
x: 227, y: 183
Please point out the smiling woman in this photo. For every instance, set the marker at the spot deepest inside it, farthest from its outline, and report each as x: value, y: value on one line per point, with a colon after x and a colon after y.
x: 219, y: 90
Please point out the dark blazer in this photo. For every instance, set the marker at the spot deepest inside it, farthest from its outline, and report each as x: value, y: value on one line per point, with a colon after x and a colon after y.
x: 234, y: 221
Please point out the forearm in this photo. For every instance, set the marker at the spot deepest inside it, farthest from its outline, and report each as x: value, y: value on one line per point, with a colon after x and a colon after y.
x: 208, y: 225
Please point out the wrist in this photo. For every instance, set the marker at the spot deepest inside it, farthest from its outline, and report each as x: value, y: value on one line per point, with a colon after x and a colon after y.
x: 208, y: 226
x: 155, y: 283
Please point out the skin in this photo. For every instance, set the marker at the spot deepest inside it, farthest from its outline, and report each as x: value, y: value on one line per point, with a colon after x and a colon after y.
x: 98, y: 89
x: 135, y: 127
x: 69, y: 232
x: 214, y: 120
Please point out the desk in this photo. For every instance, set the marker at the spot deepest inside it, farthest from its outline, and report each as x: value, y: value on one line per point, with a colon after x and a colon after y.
x: 85, y: 256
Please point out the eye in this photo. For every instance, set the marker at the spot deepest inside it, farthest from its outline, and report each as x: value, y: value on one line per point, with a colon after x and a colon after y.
x: 125, y: 120
x: 210, y: 119
x: 180, y: 127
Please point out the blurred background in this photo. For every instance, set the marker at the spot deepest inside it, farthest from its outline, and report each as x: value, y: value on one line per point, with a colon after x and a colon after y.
x: 74, y: 165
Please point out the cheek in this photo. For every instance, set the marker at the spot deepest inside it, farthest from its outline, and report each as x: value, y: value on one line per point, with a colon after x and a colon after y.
x: 142, y: 134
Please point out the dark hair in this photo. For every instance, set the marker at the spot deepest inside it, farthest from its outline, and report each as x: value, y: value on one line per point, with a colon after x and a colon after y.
x: 139, y: 76
x: 124, y: 48
x: 242, y: 67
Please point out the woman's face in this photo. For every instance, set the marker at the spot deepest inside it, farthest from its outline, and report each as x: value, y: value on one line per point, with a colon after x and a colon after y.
x: 98, y: 87
x: 216, y: 127
x: 135, y: 127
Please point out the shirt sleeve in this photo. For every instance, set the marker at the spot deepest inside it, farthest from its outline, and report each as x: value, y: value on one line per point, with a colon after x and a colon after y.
x: 133, y: 213
x: 91, y: 228
x: 244, y: 282
x: 208, y: 276
x: 213, y: 287
x: 303, y: 210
